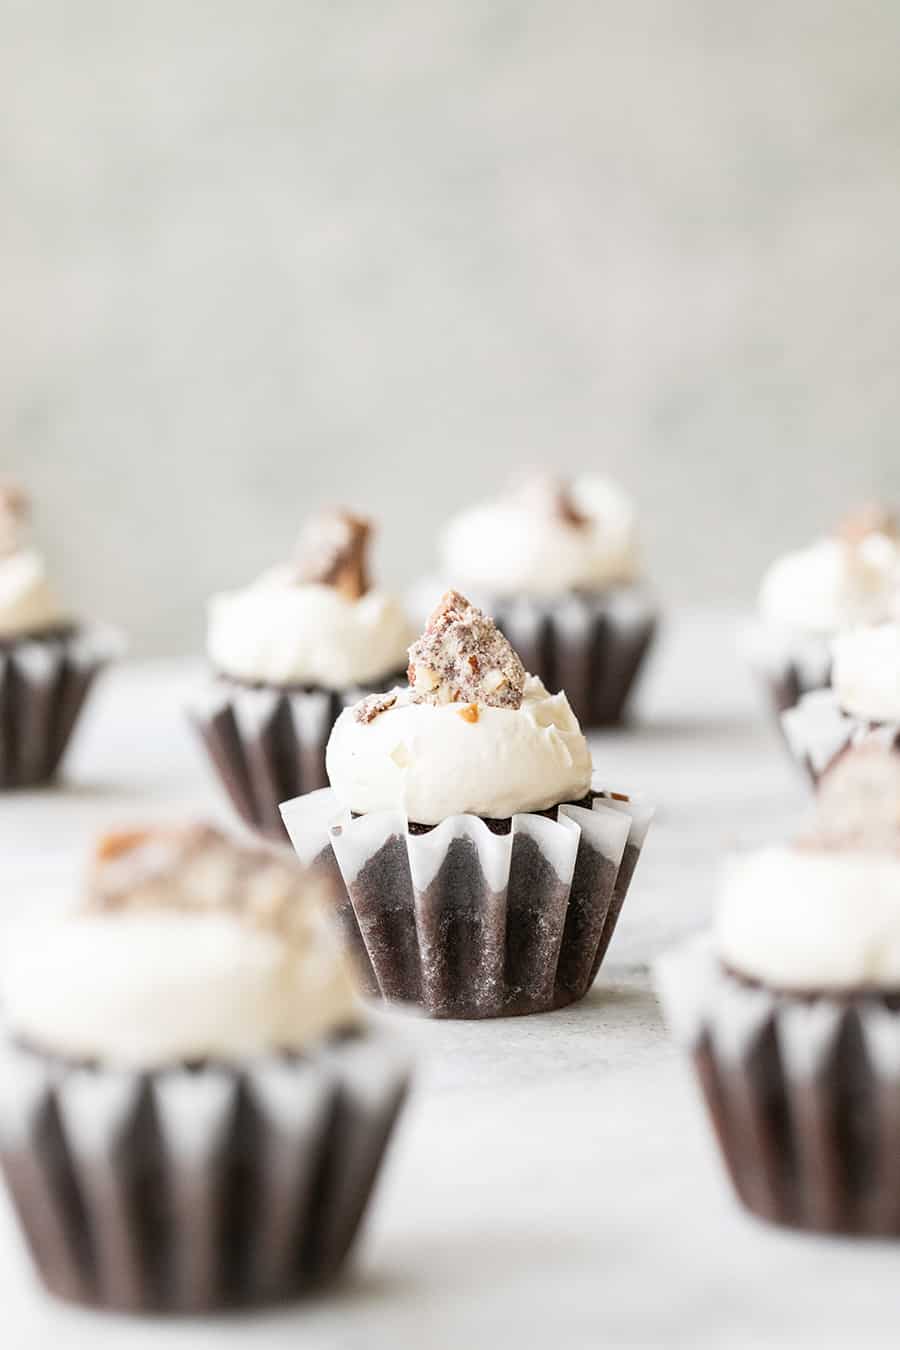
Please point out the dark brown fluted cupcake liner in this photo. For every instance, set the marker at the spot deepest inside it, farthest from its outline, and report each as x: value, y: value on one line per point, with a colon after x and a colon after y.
x: 465, y: 921
x: 591, y: 645
x: 803, y: 1095
x: 268, y: 744
x: 44, y: 682
x: 818, y: 730
x: 193, y: 1190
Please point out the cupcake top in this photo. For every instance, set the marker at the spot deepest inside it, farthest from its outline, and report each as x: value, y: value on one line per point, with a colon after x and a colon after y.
x: 313, y: 622
x: 823, y: 914
x: 183, y: 946
x: 473, y: 733
x: 544, y: 538
x: 28, y: 605
x: 865, y: 674
x: 852, y: 577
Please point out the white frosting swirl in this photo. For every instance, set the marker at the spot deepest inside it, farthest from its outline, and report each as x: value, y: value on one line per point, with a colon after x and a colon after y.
x: 430, y: 762
x: 805, y: 920
x: 866, y: 672
x: 507, y: 547
x: 831, y: 585
x: 27, y: 602
x: 144, y: 988
x: 278, y: 632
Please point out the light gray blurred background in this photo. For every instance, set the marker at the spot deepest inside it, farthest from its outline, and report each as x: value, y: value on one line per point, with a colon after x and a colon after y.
x: 259, y: 256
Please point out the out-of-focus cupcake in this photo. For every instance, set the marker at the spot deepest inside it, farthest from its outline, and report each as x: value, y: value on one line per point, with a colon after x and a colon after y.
x: 862, y: 701
x: 808, y: 597
x: 288, y: 653
x: 192, y: 1114
x: 557, y: 566
x: 479, y: 869
x: 48, y: 659
x: 791, y: 1011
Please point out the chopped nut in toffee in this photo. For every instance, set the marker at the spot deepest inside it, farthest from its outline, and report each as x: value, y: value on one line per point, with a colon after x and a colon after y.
x: 462, y: 657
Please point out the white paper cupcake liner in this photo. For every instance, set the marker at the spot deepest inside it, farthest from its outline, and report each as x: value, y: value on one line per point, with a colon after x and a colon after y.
x: 191, y: 1190
x: 44, y: 682
x: 817, y: 730
x: 465, y: 922
x: 803, y: 1093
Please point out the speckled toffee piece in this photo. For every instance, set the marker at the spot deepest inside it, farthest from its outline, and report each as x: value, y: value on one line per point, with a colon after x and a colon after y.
x: 462, y: 657
x: 547, y: 495
x: 333, y: 551
x: 197, y: 869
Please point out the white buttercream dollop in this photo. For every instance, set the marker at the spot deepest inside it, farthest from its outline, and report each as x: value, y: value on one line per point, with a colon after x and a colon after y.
x: 431, y: 761
x: 28, y: 603
x: 831, y: 585
x: 507, y: 547
x: 865, y: 675
x: 279, y: 632
x: 802, y: 919
x: 152, y: 987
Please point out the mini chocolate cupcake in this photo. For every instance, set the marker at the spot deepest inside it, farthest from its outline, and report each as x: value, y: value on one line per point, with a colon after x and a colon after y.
x: 808, y: 597
x: 48, y: 660
x: 791, y: 1011
x: 192, y: 1115
x: 557, y: 567
x: 478, y: 870
x: 289, y: 652
x: 863, y: 700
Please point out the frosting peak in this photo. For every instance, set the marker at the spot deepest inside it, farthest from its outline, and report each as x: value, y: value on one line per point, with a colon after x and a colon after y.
x: 866, y: 672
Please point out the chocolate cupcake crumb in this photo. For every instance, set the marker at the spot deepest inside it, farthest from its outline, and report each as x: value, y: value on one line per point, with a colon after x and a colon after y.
x: 462, y: 657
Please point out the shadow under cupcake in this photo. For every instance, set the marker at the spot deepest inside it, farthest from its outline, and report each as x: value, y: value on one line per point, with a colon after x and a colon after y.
x: 48, y: 660
x: 289, y: 653
x: 192, y: 1113
x: 790, y: 1011
x: 477, y: 870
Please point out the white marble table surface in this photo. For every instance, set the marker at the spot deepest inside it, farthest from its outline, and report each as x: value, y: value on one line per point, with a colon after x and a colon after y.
x: 553, y: 1179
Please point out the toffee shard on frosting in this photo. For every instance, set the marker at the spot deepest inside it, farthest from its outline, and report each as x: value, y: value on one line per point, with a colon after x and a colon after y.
x: 872, y: 518
x: 14, y: 512
x: 548, y: 495
x: 333, y: 551
x: 198, y: 869
x: 462, y: 657
x: 858, y: 799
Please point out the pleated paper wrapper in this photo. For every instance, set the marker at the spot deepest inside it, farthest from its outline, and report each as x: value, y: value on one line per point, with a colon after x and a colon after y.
x: 818, y: 731
x: 803, y: 1094
x: 464, y: 922
x: 44, y: 682
x: 196, y: 1190
x: 268, y: 744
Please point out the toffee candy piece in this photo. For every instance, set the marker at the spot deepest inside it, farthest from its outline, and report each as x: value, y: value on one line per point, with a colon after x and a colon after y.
x: 333, y: 551
x: 858, y: 801
x: 462, y: 657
